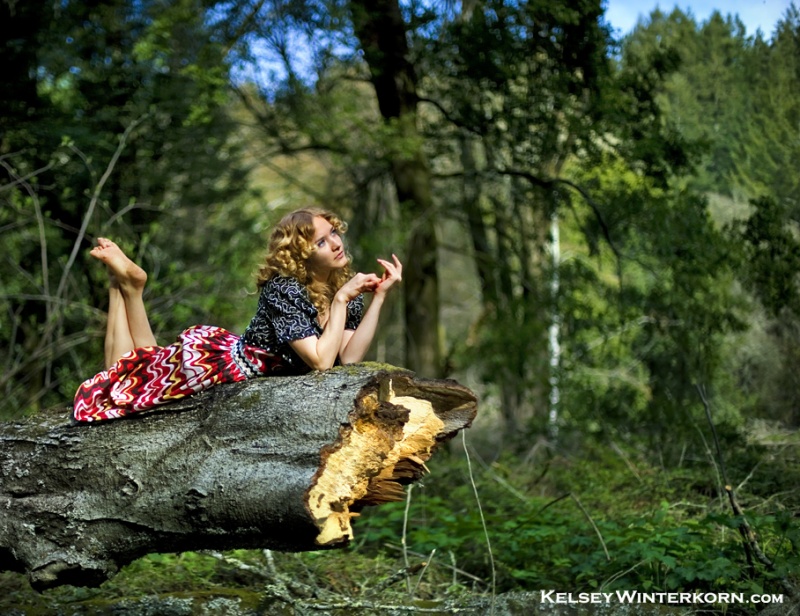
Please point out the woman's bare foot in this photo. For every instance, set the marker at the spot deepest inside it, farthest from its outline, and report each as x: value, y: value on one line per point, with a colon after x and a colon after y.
x: 122, y: 272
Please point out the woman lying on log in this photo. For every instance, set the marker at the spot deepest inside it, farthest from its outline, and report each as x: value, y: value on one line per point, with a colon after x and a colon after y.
x: 310, y: 315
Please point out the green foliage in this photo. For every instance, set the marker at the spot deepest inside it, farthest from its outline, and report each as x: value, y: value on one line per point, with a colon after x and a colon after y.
x: 642, y: 317
x: 736, y: 95
x: 767, y: 263
x: 770, y: 259
x: 652, y: 531
x: 125, y: 136
x: 703, y: 95
x: 767, y: 130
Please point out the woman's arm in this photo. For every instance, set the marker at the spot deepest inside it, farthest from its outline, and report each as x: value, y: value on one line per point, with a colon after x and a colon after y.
x: 355, y: 346
x: 320, y: 352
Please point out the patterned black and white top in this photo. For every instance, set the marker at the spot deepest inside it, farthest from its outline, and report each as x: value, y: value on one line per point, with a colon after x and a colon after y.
x: 285, y: 313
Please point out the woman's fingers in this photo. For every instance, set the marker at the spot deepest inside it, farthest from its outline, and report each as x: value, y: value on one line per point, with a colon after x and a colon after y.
x: 392, y: 270
x: 393, y: 273
x: 369, y: 283
x: 372, y: 283
x: 370, y: 279
x: 389, y: 269
x: 365, y: 282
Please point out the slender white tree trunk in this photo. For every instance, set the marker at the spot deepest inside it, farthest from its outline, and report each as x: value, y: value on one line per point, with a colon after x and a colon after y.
x: 555, y: 326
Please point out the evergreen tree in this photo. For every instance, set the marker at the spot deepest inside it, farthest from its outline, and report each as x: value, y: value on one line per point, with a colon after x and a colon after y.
x: 767, y: 148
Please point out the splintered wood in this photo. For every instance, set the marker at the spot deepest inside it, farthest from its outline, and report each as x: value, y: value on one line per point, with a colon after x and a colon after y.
x: 386, y: 446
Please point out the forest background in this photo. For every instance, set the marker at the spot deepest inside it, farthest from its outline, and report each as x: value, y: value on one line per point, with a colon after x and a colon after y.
x: 600, y: 238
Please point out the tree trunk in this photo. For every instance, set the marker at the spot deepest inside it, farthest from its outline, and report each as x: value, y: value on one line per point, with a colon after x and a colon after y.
x: 282, y: 463
x: 381, y: 31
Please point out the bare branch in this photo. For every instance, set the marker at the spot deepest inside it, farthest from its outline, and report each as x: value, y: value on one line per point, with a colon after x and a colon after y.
x: 20, y: 179
x: 98, y: 189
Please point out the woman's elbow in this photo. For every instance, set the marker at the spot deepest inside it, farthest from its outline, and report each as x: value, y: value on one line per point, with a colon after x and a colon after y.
x: 319, y: 364
x: 349, y: 358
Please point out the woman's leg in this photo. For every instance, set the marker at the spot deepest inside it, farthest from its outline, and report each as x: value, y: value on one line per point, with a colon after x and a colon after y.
x: 128, y: 326
x: 118, y: 334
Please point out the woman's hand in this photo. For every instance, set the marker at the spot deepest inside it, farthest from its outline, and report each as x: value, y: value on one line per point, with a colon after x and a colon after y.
x: 392, y: 274
x: 360, y: 283
x: 354, y: 347
x: 370, y: 283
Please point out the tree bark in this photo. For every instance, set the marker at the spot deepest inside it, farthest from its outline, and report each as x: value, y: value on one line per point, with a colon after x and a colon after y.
x: 282, y: 463
x: 381, y: 31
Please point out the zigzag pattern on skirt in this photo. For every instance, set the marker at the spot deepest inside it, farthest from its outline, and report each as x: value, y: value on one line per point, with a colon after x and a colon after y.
x: 202, y: 356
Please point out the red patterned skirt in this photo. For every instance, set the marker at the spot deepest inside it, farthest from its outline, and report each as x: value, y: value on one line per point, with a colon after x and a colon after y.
x: 203, y: 356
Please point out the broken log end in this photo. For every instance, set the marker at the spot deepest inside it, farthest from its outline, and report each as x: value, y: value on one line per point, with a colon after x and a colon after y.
x: 386, y: 445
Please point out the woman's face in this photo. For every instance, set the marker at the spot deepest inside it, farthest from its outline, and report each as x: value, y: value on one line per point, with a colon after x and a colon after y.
x: 328, y: 252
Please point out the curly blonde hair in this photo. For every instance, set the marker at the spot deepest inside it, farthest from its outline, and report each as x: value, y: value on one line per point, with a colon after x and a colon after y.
x: 290, y: 246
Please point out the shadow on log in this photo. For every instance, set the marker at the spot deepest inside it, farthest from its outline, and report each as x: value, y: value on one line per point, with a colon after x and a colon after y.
x: 281, y: 462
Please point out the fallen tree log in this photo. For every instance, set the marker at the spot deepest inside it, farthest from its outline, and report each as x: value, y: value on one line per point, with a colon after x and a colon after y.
x: 282, y: 463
